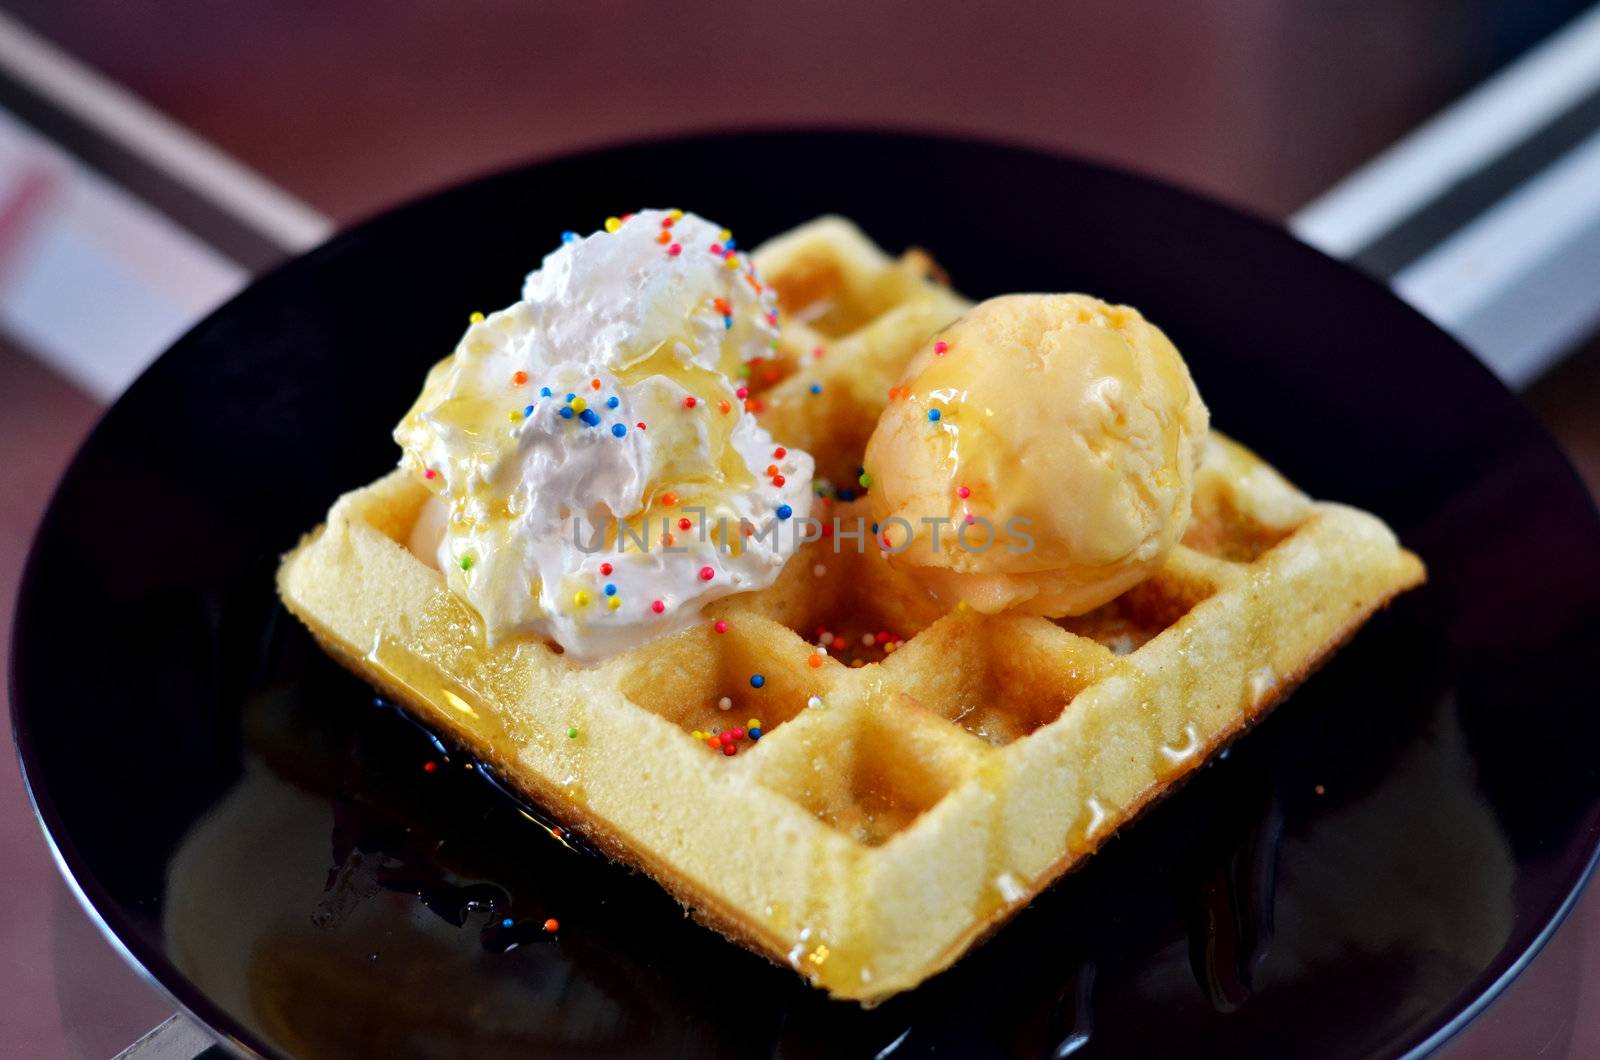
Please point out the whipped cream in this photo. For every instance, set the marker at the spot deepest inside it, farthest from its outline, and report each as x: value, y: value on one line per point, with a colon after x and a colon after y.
x: 597, y: 477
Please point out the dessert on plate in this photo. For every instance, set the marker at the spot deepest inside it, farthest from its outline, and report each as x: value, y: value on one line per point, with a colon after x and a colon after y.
x: 924, y: 598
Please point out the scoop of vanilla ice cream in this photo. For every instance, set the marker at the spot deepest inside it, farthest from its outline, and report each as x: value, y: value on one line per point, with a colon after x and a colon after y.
x: 593, y: 464
x: 1039, y: 455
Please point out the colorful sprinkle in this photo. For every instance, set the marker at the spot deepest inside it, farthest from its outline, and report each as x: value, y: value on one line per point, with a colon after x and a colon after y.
x: 669, y: 499
x: 780, y: 452
x: 507, y: 922
x: 578, y: 404
x: 730, y: 749
x: 779, y: 480
x: 590, y: 417
x: 865, y: 478
x: 816, y: 388
x: 430, y: 767
x: 618, y: 430
x: 690, y: 402
x: 572, y: 733
x: 527, y: 410
x: 784, y: 511
x: 580, y: 599
x: 567, y: 237
x: 519, y: 378
x: 552, y: 925
x: 707, y: 573
x: 566, y: 412
x: 613, y: 401
x: 755, y: 734
x: 606, y: 568
x: 610, y: 589
x: 658, y: 606
x: 724, y: 407
x: 429, y: 472
x: 940, y: 348
x: 674, y: 250
x: 721, y: 626
x: 613, y: 603
x: 933, y: 415
x: 544, y: 391
x: 963, y: 492
x: 756, y: 680
x: 612, y: 224
x: 814, y: 661
x: 466, y: 562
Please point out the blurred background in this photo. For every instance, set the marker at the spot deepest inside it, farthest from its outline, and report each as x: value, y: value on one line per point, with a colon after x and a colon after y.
x: 155, y: 156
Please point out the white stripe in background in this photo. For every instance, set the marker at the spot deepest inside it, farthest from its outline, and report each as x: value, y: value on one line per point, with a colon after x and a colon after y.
x: 94, y: 282
x: 123, y: 118
x: 1521, y: 283
x: 1472, y: 132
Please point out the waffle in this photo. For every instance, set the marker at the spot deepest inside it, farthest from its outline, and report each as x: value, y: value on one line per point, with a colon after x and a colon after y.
x: 918, y: 782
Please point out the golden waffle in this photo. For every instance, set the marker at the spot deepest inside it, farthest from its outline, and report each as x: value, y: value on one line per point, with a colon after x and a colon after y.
x: 930, y: 772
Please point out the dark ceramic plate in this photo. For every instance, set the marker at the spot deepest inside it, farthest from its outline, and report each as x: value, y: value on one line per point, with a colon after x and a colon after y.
x: 1358, y: 877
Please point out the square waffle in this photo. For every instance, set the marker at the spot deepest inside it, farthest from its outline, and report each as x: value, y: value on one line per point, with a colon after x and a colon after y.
x: 922, y: 772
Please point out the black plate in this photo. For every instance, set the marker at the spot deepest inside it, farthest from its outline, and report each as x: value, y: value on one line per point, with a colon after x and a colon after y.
x: 1358, y: 877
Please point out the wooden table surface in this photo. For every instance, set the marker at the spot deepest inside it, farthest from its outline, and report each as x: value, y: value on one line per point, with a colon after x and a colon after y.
x: 353, y: 107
